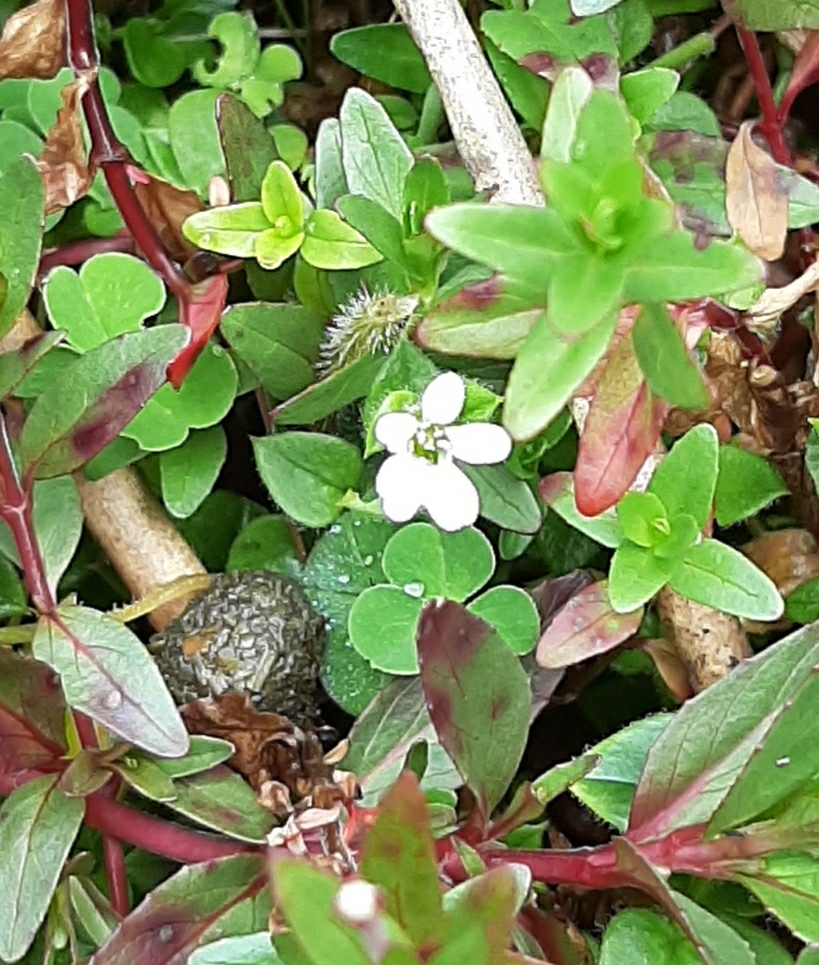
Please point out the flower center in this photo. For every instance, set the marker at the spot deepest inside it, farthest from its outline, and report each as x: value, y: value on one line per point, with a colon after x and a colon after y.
x: 430, y: 442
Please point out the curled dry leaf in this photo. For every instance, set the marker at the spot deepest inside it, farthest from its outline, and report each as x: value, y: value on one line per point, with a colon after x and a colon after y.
x: 670, y: 667
x: 756, y: 199
x: 166, y: 207
x: 63, y: 163
x: 790, y: 557
x: 33, y: 41
x: 268, y: 746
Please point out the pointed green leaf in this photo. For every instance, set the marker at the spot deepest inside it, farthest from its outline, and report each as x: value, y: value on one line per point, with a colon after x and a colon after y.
x: 685, y: 480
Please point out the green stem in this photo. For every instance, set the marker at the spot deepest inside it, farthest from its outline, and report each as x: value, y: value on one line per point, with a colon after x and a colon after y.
x: 432, y: 116
x: 700, y: 45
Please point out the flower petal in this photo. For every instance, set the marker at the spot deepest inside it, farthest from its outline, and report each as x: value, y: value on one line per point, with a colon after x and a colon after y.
x: 395, y: 429
x: 443, y: 399
x: 479, y: 443
x: 449, y: 497
x: 400, y: 482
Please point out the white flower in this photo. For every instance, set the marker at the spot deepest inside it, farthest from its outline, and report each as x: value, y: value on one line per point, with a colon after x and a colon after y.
x: 421, y: 472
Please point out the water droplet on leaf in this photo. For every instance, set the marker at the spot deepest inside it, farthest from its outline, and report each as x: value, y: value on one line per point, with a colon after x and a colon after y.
x: 415, y: 590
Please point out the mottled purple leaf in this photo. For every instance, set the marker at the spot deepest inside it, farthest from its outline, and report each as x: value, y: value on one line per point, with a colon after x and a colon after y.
x: 107, y: 673
x: 585, y: 627
x: 247, y: 145
x: 220, y: 799
x: 32, y: 715
x: 477, y: 695
x: 399, y: 857
x: 95, y: 398
x: 15, y: 365
x: 198, y: 904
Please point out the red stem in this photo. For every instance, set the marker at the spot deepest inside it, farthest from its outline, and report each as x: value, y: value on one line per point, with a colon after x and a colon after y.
x: 156, y: 835
x: 15, y: 510
x: 78, y: 252
x: 770, y: 125
x: 114, y: 859
x: 110, y: 154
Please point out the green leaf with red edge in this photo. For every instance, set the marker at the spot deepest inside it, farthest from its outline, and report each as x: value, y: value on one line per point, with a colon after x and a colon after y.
x: 32, y: 713
x: 16, y: 365
x: 95, y: 398
x: 247, y: 145
x: 621, y: 430
x: 587, y: 626
x: 107, y: 674
x: 481, y: 321
x: 399, y: 857
x: 220, y: 799
x: 38, y: 825
x: 706, y: 748
x: 198, y: 904
x: 460, y: 655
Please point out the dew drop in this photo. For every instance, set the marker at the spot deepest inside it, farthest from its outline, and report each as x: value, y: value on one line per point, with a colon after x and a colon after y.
x: 367, y: 560
x: 783, y: 761
x: 343, y: 578
x: 112, y: 699
x: 415, y: 590
x: 334, y: 529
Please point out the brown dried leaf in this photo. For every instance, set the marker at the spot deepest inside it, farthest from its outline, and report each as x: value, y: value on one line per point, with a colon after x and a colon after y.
x: 790, y: 557
x: 63, y: 163
x: 166, y: 208
x: 268, y: 747
x: 756, y: 199
x: 33, y: 41
x: 670, y: 667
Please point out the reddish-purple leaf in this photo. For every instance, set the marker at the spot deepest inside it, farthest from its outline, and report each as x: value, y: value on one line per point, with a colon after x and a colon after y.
x: 199, y: 313
x: 399, y: 857
x: 95, y: 398
x: 107, y: 674
x: 621, y: 430
x: 197, y: 905
x: 477, y: 695
x: 480, y: 321
x: 585, y: 627
x: 804, y: 73
x: 32, y: 716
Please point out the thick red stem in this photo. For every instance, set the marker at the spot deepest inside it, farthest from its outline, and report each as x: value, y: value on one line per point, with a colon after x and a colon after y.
x: 770, y: 124
x: 157, y: 836
x: 114, y: 860
x: 108, y: 151
x: 15, y: 510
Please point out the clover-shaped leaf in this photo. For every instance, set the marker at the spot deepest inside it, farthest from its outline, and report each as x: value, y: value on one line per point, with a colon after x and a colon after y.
x: 237, y: 34
x: 113, y: 293
x: 421, y: 562
x: 204, y: 399
x: 454, y: 565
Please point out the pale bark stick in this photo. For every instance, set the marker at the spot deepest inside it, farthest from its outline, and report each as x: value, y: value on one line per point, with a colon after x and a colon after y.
x: 131, y: 527
x: 482, y: 123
